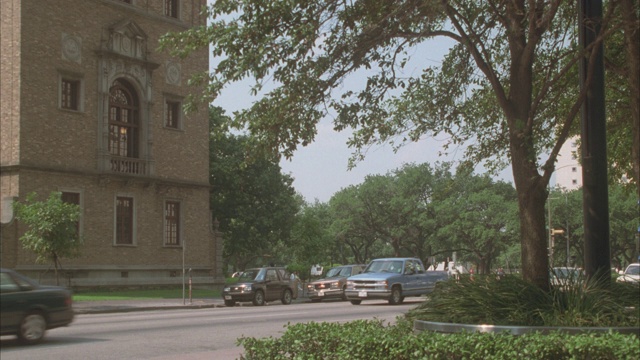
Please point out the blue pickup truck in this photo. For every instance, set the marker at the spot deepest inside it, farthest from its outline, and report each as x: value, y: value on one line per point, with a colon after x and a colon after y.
x: 392, y: 279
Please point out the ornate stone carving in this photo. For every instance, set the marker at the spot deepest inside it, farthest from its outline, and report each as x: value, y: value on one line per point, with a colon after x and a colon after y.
x: 174, y: 73
x: 71, y: 48
x: 127, y: 38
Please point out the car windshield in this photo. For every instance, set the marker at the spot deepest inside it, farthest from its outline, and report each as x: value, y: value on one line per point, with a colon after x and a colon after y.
x: 633, y: 270
x: 252, y: 274
x: 339, y: 271
x: 394, y: 266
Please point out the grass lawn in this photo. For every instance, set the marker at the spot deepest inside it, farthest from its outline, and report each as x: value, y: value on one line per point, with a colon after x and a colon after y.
x: 174, y: 293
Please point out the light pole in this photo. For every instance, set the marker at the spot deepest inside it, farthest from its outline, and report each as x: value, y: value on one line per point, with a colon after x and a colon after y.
x: 553, y: 231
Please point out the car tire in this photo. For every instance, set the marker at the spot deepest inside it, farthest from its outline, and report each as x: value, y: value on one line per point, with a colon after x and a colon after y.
x: 396, y: 296
x: 230, y: 303
x: 356, y: 302
x: 32, y: 328
x: 258, y: 298
x: 286, y: 297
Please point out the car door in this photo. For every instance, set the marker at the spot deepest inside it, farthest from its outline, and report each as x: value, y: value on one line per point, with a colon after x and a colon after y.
x: 273, y: 285
x: 12, y: 303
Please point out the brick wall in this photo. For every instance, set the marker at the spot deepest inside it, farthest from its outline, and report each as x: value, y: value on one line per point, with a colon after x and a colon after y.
x: 46, y: 148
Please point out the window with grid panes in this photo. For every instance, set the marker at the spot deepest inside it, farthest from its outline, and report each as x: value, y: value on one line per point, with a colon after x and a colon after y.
x: 124, y: 221
x: 171, y: 8
x: 172, y: 116
x: 172, y: 223
x: 123, y: 120
x: 69, y: 94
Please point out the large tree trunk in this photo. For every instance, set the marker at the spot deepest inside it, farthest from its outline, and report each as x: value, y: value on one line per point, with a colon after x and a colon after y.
x: 532, y: 195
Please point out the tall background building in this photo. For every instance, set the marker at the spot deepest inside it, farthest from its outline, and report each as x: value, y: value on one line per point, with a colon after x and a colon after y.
x: 91, y: 108
x: 568, y: 173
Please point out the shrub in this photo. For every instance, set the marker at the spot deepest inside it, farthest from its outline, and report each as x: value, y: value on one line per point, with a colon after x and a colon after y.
x: 513, y: 301
x: 371, y: 339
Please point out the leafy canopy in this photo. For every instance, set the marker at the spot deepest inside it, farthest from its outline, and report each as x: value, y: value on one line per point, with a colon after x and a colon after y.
x: 53, y: 231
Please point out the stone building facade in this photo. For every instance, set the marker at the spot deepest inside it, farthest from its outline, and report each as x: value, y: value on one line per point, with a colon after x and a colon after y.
x: 91, y: 108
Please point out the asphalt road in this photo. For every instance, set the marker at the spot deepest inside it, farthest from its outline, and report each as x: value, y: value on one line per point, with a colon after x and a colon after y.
x: 189, y: 334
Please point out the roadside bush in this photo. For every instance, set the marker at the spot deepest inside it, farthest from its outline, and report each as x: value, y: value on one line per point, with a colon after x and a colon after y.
x: 513, y: 301
x: 371, y: 339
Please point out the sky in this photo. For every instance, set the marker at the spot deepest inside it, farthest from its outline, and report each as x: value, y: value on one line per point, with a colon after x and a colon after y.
x: 321, y: 169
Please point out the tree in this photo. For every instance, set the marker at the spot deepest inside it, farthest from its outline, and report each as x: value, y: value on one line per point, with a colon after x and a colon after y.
x: 566, y: 215
x: 253, y: 201
x: 53, y: 229
x: 623, y: 94
x: 507, y: 86
x: 479, y: 217
x: 351, y: 224
x: 310, y: 242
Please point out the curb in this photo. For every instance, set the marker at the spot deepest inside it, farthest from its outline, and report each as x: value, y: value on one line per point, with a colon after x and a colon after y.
x: 106, y: 309
x: 452, y: 328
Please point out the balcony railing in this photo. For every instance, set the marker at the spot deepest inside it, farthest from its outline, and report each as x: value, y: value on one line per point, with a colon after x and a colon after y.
x: 128, y: 166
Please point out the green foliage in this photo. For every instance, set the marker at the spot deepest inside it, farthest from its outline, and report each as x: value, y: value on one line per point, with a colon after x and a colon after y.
x: 53, y: 232
x: 423, y: 211
x: 371, y: 339
x: 513, y: 301
x: 479, y: 219
x: 566, y: 210
x: 253, y: 201
x: 507, y: 87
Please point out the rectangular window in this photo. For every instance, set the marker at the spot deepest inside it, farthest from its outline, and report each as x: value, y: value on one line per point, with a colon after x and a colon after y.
x: 70, y: 94
x: 124, y: 221
x: 171, y: 8
x: 72, y: 198
x: 172, y: 115
x: 172, y: 223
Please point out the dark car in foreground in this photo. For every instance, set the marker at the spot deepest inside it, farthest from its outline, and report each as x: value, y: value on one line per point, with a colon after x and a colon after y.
x: 332, y: 285
x: 28, y: 309
x: 261, y: 285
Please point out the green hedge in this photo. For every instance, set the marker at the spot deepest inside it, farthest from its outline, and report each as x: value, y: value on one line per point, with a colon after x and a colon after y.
x: 370, y: 339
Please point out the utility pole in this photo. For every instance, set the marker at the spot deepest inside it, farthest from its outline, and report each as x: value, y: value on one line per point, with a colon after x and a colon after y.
x: 597, y: 253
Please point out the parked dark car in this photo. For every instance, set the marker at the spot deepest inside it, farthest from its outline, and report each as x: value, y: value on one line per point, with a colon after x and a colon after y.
x: 28, y: 309
x: 332, y: 285
x: 261, y: 285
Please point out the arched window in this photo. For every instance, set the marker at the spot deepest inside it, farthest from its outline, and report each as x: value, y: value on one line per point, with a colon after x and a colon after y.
x: 124, y: 121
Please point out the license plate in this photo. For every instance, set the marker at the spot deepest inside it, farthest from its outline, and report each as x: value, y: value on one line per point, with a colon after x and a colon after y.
x: 362, y: 294
x: 227, y: 297
x: 320, y: 293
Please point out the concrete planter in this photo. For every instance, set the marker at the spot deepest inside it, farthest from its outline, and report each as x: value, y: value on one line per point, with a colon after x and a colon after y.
x: 450, y: 328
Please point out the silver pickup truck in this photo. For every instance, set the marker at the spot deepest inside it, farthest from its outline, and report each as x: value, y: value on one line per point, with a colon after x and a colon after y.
x: 392, y: 279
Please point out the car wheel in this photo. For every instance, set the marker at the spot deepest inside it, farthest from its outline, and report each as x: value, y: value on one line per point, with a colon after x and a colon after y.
x: 396, y: 296
x: 258, y: 298
x: 356, y: 302
x: 286, y: 297
x: 229, y: 303
x: 32, y: 328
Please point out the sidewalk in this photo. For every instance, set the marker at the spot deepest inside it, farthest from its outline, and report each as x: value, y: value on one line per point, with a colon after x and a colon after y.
x: 114, y: 306
x: 111, y: 306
